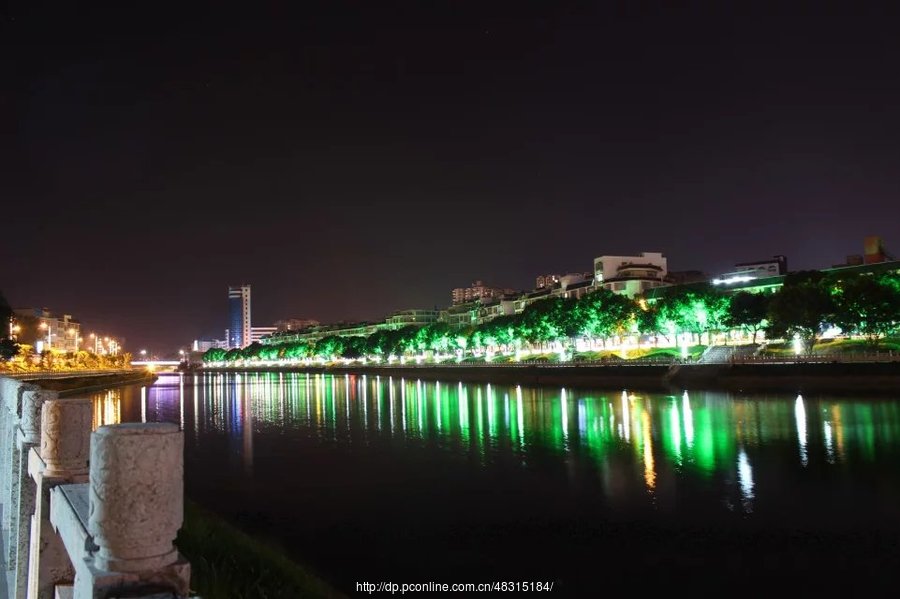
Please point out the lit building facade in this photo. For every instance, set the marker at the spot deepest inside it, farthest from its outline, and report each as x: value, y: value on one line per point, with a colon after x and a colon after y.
x: 749, y: 271
x: 257, y: 333
x: 295, y: 324
x: 542, y: 281
x: 477, y: 291
x: 239, y: 316
x: 631, y: 275
x: 41, y: 329
x: 402, y: 318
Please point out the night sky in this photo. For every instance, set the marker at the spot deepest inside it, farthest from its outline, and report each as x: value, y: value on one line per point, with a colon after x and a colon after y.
x: 352, y: 160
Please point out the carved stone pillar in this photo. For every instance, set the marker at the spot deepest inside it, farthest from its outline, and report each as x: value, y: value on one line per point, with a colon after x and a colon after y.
x: 136, y: 495
x: 66, y: 436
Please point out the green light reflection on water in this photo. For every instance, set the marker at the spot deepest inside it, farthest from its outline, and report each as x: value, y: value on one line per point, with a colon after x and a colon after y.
x: 704, y: 433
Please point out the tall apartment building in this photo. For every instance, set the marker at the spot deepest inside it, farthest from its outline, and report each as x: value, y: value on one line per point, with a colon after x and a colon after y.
x: 239, y: 334
x: 478, y: 290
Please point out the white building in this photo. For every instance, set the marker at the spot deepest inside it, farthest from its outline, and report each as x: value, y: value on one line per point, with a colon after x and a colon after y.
x: 257, y: 333
x: 631, y: 275
x: 749, y: 271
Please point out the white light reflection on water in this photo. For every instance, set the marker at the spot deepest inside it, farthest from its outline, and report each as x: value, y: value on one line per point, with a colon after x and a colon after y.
x: 688, y: 420
x: 829, y: 441
x: 800, y: 416
x: 745, y: 480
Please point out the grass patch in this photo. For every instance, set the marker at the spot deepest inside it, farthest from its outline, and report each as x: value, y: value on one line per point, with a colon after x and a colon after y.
x: 228, y: 564
x: 834, y: 347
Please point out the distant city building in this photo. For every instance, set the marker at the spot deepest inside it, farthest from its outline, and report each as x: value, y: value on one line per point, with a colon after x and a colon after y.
x: 257, y: 333
x: 403, y: 318
x: 477, y: 291
x: 874, y: 252
x: 631, y: 275
x: 685, y: 277
x: 748, y: 271
x: 543, y: 281
x: 41, y: 329
x: 553, y: 281
x: 295, y: 324
x: 239, y: 316
x: 202, y: 345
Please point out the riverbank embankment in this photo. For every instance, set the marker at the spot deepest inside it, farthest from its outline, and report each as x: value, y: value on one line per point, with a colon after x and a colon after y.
x: 68, y: 383
x: 788, y: 377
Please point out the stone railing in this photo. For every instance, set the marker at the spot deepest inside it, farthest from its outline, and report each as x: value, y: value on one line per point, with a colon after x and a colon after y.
x: 87, y: 514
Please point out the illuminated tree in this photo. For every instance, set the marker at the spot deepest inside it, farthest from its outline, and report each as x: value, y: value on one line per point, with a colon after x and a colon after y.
x: 251, y: 352
x: 604, y: 314
x: 802, y: 307
x: 214, y: 354
x: 748, y: 312
x: 549, y: 320
x: 868, y: 305
x: 330, y: 346
x: 695, y: 310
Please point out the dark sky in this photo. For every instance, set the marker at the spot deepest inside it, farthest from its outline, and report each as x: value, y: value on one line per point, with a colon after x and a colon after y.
x: 351, y: 160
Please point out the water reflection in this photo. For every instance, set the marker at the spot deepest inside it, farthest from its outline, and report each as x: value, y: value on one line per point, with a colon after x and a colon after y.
x: 635, y: 443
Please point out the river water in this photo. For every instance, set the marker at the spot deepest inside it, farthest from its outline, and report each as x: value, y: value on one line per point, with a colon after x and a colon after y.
x: 370, y: 479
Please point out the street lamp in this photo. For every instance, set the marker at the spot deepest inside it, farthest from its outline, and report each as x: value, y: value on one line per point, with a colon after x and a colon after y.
x: 143, y: 354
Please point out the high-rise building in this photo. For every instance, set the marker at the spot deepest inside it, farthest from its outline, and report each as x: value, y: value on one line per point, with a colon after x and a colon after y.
x: 478, y: 291
x: 239, y: 316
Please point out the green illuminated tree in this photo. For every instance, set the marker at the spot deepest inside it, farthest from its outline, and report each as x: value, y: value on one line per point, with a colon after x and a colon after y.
x: 867, y: 305
x: 251, y: 352
x: 547, y: 320
x: 748, y: 311
x: 692, y: 310
x: 803, y: 306
x: 214, y: 354
x: 604, y: 314
x: 330, y: 346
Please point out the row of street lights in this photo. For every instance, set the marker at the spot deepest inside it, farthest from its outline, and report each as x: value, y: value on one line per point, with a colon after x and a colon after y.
x: 102, y: 344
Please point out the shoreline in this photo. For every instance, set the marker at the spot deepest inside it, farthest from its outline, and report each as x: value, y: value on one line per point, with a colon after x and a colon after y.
x: 842, y: 378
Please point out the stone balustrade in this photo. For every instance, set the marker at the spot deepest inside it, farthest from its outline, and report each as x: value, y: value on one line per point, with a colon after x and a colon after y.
x: 87, y: 514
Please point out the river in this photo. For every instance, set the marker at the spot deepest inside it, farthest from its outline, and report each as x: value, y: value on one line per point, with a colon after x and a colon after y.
x: 371, y: 479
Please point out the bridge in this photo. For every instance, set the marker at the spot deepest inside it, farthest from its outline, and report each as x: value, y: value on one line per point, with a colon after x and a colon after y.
x: 156, y: 364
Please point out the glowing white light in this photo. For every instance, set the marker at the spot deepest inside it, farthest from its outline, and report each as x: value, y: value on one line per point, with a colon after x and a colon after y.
x: 734, y: 279
x: 688, y: 420
x: 829, y: 441
x: 745, y: 479
x: 800, y: 415
x: 798, y: 345
x: 564, y: 416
